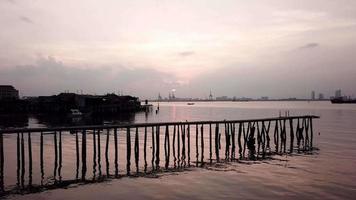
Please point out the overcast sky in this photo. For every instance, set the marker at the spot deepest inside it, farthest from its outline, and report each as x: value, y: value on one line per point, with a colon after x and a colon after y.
x: 276, y: 48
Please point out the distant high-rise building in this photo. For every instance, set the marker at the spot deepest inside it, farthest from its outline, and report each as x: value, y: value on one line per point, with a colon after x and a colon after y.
x: 210, y: 96
x: 159, y: 96
x: 338, y: 93
x: 313, y: 95
x: 8, y: 92
x: 321, y: 96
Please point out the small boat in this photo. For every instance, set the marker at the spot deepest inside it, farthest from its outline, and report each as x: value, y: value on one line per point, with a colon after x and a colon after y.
x: 75, y: 113
x: 343, y: 100
x: 190, y: 103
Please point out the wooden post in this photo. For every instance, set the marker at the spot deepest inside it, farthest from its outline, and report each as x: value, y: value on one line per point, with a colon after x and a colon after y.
x: 157, y: 147
x: 22, y: 160
x: 196, y: 144
x: 311, y: 133
x: 276, y: 136
x: 239, y: 139
x: 306, y: 146
x: 137, y: 150
x: 202, y: 144
x: 60, y: 157
x: 183, y: 146
x: 84, y: 154
x: 188, y: 145
x: 210, y: 146
x: 99, y: 153
x: 116, y: 154
x: 41, y: 158
x: 178, y: 145
x: 18, y: 159
x: 94, y: 154
x: 1, y: 162
x: 153, y: 148
x: 174, y: 147
x: 166, y: 146
x: 77, y: 153
x: 107, y: 152
x: 217, y: 142
x: 29, y: 159
x: 233, y: 148
x: 291, y: 136
x: 268, y: 139
x: 145, y: 150
x: 128, y: 151
x: 55, y: 156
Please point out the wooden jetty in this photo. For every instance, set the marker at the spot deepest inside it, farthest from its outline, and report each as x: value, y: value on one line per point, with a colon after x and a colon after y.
x: 165, y: 145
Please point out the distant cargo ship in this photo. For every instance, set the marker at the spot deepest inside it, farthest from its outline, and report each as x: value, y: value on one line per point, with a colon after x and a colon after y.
x: 343, y: 100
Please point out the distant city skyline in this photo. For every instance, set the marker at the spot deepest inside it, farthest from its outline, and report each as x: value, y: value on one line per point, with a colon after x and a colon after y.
x: 279, y: 48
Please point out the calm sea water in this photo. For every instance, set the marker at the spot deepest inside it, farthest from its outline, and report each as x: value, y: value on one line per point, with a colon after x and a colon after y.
x: 329, y: 173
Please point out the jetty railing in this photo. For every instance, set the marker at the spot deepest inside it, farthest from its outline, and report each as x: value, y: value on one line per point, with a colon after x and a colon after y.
x: 180, y: 144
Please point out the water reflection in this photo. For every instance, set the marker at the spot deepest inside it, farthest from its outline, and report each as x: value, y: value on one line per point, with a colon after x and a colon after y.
x: 19, y: 121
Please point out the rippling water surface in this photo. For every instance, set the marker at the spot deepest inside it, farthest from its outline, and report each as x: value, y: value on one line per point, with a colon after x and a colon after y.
x: 329, y: 173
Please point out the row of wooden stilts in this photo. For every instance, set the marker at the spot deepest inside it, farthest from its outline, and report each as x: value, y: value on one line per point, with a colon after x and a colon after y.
x: 253, y: 137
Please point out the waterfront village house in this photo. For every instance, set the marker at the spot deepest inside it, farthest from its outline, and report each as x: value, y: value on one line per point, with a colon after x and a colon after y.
x: 8, y: 92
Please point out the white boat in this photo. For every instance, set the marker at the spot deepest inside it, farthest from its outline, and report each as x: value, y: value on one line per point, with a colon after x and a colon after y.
x: 75, y: 113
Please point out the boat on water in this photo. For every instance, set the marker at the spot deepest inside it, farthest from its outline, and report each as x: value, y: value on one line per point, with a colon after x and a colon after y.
x: 190, y: 103
x: 75, y: 113
x: 343, y: 100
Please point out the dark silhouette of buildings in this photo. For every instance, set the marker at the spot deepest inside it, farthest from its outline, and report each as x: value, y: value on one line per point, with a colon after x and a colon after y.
x: 8, y: 92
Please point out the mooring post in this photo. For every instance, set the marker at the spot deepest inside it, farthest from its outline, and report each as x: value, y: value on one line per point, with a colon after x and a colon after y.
x: 84, y: 154
x: 128, y: 151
